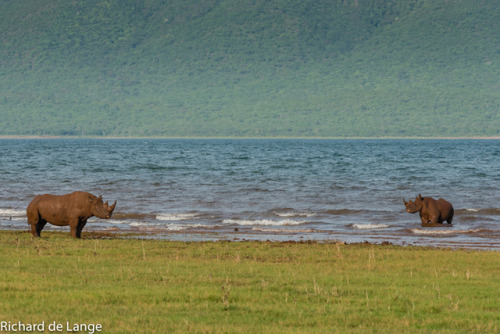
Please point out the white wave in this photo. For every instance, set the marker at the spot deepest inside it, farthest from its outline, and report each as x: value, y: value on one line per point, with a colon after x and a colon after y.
x: 176, y: 227
x: 266, y: 222
x: 175, y: 216
x: 472, y: 210
x: 12, y: 213
x: 369, y: 226
x: 447, y: 231
x: 276, y: 230
x: 14, y: 218
x: 110, y: 221
x: 56, y: 227
x: 293, y: 214
x: 137, y: 224
x: 168, y: 227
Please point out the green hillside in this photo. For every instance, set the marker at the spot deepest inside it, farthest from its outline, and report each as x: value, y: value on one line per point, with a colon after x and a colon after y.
x: 274, y: 68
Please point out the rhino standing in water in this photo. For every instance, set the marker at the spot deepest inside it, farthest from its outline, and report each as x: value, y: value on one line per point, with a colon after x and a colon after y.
x: 72, y: 209
x: 432, y: 212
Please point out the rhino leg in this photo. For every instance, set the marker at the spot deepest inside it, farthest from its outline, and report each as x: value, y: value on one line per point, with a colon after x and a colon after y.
x: 37, y: 228
x: 80, y: 227
x: 424, y: 219
x: 34, y: 231
x: 73, y: 224
x: 436, y: 219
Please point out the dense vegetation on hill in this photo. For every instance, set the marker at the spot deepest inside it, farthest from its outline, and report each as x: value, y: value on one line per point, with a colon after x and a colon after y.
x: 308, y: 68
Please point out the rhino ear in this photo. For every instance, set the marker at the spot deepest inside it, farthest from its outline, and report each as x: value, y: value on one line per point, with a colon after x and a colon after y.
x: 405, y: 202
x: 420, y: 196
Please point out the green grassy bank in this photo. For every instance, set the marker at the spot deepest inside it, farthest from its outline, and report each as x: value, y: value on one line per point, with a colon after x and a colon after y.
x: 152, y: 286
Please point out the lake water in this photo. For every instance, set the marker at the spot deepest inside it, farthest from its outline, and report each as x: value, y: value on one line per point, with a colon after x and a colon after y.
x: 335, y: 190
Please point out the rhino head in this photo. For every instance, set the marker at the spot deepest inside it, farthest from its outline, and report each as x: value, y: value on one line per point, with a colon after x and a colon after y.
x: 416, y: 206
x: 100, y: 209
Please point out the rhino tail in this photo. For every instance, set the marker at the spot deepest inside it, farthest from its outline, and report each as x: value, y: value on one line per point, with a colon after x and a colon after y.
x: 32, y: 214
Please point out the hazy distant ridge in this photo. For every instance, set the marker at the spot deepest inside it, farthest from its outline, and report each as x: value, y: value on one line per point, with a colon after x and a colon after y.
x: 304, y: 68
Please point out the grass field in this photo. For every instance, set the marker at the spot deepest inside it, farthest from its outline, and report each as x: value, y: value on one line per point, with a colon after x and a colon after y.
x: 154, y: 286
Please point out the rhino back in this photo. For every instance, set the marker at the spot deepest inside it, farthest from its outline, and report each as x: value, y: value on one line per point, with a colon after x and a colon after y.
x: 431, y: 205
x: 445, y: 207
x: 60, y: 209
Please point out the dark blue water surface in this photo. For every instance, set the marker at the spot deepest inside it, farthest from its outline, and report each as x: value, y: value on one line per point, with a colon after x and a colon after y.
x: 338, y: 190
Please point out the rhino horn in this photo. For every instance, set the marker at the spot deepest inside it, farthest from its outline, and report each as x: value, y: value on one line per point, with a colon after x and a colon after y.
x: 112, y: 207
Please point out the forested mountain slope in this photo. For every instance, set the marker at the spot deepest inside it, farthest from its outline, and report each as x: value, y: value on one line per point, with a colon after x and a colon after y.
x: 229, y: 68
